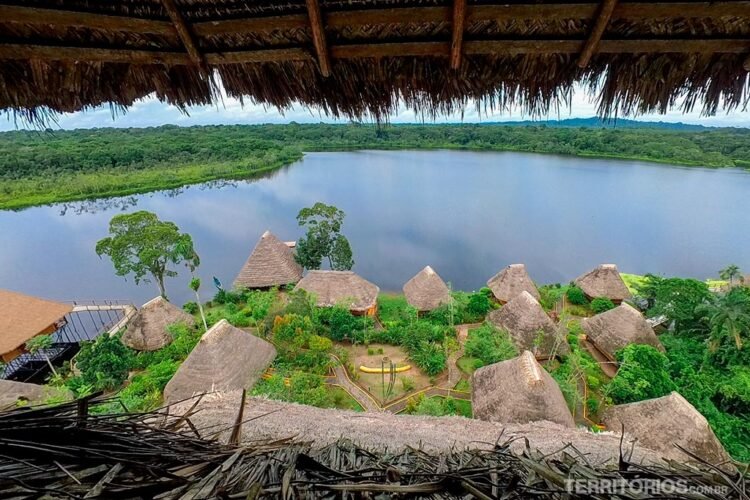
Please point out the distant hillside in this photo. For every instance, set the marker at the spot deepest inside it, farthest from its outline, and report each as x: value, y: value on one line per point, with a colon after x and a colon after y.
x: 595, y: 122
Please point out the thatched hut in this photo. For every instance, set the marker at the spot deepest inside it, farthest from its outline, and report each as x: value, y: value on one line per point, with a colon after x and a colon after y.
x: 510, y: 282
x: 530, y: 327
x: 147, y: 331
x: 518, y: 390
x: 226, y: 358
x: 662, y: 423
x: 271, y: 264
x: 345, y: 288
x: 12, y: 393
x: 604, y: 281
x: 367, y: 58
x: 426, y: 291
x: 23, y: 317
x: 617, y: 328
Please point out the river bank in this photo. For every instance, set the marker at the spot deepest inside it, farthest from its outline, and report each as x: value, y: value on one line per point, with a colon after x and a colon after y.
x: 44, y: 168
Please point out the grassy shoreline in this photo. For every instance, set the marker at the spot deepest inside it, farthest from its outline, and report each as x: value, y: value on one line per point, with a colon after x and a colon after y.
x: 66, y: 166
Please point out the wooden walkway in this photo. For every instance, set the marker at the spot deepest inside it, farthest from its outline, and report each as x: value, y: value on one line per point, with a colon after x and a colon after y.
x: 128, y: 311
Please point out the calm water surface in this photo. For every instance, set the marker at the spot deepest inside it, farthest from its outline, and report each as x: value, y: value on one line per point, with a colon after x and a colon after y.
x: 466, y: 214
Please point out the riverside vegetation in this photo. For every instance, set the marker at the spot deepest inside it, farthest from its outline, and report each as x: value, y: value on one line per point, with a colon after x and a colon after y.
x: 55, y: 166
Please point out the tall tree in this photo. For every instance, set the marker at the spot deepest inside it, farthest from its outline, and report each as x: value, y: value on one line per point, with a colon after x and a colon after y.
x: 323, y: 239
x: 728, y: 317
x: 195, y: 285
x: 730, y: 273
x: 144, y: 246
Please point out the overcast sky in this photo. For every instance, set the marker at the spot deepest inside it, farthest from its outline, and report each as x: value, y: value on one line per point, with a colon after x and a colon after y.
x: 150, y: 112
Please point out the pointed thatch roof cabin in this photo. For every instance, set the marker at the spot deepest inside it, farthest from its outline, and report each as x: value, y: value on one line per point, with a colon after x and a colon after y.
x: 346, y: 288
x: 530, y: 327
x: 426, y: 291
x: 617, y: 328
x: 510, y: 282
x: 225, y: 359
x: 518, y: 390
x: 23, y: 317
x: 271, y: 264
x: 11, y: 393
x: 662, y: 423
x: 147, y: 331
x: 604, y: 281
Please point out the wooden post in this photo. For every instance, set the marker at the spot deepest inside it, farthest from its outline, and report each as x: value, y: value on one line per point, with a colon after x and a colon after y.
x: 746, y: 64
x: 605, y: 13
x: 459, y: 24
x: 319, y: 36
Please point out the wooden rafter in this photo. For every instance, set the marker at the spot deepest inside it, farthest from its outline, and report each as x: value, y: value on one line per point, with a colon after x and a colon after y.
x: 746, y: 64
x: 600, y: 25
x: 319, y: 37
x: 361, y: 51
x: 459, y: 24
x: 183, y: 31
x: 335, y: 20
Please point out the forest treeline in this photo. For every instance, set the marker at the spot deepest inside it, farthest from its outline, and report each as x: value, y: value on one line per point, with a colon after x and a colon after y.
x: 46, y: 166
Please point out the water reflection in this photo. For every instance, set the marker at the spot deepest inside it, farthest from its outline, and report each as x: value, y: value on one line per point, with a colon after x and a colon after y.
x: 465, y: 214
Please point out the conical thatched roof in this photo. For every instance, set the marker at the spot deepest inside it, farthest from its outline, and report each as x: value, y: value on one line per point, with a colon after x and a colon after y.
x: 510, y: 282
x: 271, y: 264
x: 661, y: 423
x: 613, y: 330
x: 147, y: 331
x: 426, y: 290
x: 11, y: 393
x: 604, y: 281
x: 226, y: 358
x: 518, y: 390
x: 340, y: 287
x: 529, y: 326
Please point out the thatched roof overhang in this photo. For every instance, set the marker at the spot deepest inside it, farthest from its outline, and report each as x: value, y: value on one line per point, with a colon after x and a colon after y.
x: 363, y: 57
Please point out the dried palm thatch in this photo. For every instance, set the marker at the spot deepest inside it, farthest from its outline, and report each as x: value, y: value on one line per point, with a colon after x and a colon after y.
x: 147, y: 331
x: 518, y: 390
x: 604, y: 281
x: 271, y: 264
x: 364, y: 57
x: 226, y: 358
x: 344, y: 288
x: 70, y: 451
x: 14, y: 393
x: 426, y: 290
x: 530, y: 327
x: 661, y: 423
x: 510, y: 282
x: 617, y: 328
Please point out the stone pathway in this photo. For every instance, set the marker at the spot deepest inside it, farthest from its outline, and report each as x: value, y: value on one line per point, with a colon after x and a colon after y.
x: 341, y: 378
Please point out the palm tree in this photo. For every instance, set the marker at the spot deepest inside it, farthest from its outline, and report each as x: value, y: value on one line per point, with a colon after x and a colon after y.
x: 40, y: 344
x: 728, y: 317
x: 729, y: 273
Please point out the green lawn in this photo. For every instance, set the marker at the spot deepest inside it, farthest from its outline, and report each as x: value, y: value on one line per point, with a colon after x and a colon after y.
x: 467, y: 364
x: 343, y: 400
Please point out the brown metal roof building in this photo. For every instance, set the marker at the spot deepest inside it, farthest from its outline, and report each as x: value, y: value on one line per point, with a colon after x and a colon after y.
x: 23, y: 317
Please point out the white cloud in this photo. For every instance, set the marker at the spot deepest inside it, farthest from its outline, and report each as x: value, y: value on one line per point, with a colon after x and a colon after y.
x: 150, y: 112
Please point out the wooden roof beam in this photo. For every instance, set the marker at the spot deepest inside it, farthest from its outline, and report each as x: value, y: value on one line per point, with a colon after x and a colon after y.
x: 459, y: 25
x: 361, y: 51
x: 183, y: 31
x: 746, y: 64
x: 319, y: 37
x: 602, y: 20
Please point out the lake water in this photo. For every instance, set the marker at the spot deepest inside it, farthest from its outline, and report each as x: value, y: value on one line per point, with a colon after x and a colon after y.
x: 467, y: 214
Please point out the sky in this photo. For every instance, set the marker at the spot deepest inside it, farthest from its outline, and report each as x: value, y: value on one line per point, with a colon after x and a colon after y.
x: 149, y: 112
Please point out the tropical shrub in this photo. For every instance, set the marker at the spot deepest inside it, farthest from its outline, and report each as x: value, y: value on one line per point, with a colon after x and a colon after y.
x: 576, y: 296
x: 643, y: 374
x: 601, y: 304
x: 105, y: 362
x: 489, y: 344
x: 478, y: 306
x: 190, y: 307
x: 429, y: 356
